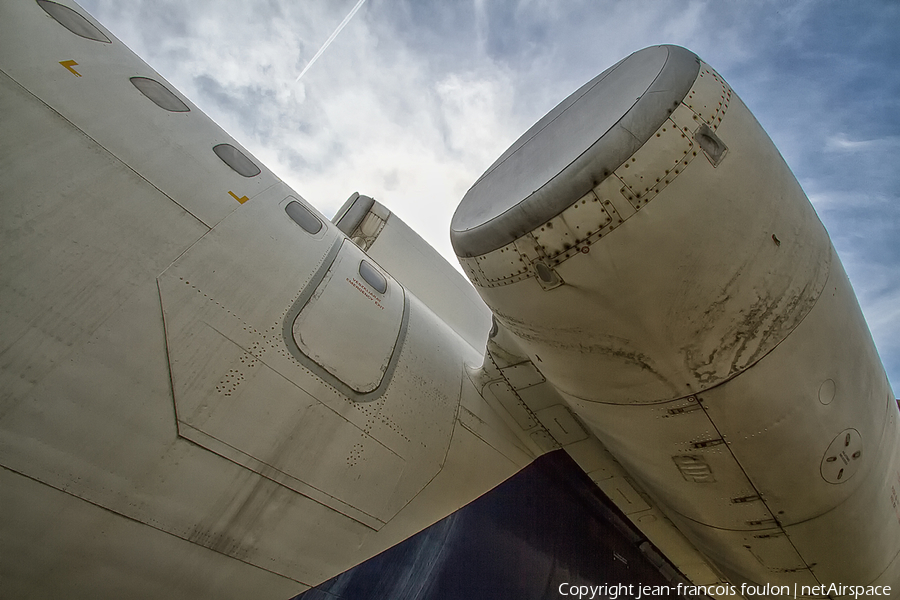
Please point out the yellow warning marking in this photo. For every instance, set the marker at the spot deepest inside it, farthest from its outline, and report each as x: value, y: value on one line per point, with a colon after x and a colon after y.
x: 242, y: 199
x: 69, y: 64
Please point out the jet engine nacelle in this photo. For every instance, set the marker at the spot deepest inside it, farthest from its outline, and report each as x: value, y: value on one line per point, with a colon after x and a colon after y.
x: 650, y: 251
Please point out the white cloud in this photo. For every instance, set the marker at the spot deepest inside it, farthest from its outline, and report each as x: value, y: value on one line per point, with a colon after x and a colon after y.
x: 413, y: 100
x: 842, y: 143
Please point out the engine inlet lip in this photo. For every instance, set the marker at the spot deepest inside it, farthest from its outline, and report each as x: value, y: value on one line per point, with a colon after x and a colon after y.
x: 574, y: 147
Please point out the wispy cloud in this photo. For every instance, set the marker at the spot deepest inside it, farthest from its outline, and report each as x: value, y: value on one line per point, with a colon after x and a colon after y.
x: 842, y: 143
x: 416, y: 98
x: 330, y: 39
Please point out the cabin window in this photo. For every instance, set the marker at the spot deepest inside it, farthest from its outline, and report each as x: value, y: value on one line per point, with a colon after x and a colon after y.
x: 372, y: 276
x: 303, y: 217
x: 73, y: 21
x: 159, y: 94
x: 235, y: 159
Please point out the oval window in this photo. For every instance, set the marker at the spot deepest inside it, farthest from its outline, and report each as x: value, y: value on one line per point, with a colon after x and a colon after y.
x: 372, y: 276
x: 160, y: 94
x: 303, y: 217
x: 73, y: 21
x: 235, y: 159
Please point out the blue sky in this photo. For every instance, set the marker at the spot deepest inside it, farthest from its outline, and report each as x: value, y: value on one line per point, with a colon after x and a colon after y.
x: 416, y: 98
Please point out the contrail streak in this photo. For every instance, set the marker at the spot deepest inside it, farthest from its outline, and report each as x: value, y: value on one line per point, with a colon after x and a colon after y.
x: 330, y: 39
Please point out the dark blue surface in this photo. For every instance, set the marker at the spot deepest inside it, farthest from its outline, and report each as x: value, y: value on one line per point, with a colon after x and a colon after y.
x: 546, y: 526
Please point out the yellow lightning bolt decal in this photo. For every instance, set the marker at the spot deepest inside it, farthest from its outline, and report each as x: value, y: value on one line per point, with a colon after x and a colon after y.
x: 242, y: 199
x: 70, y: 64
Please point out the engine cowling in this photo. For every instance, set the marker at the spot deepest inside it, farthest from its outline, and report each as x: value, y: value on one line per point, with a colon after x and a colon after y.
x: 649, y: 249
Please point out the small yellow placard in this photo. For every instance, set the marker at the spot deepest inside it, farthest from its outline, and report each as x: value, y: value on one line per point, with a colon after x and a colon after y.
x: 242, y: 199
x: 70, y: 64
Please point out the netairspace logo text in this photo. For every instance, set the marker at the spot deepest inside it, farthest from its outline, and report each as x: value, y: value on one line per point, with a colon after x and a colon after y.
x: 638, y: 592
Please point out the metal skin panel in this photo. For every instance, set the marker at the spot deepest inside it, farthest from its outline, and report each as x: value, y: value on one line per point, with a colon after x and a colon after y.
x: 722, y: 513
x: 753, y: 557
x: 104, y: 104
x: 226, y: 351
x: 92, y: 468
x: 625, y: 431
x: 427, y: 275
x: 417, y: 266
x: 87, y: 551
x: 711, y: 341
x: 358, y: 349
x: 833, y: 343
x: 157, y: 437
